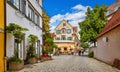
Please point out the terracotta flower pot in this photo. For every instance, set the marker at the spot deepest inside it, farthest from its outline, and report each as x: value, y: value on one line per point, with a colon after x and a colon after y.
x: 16, y: 65
x: 32, y: 60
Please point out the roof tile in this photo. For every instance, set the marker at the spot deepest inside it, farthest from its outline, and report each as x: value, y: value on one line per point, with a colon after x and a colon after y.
x: 112, y: 23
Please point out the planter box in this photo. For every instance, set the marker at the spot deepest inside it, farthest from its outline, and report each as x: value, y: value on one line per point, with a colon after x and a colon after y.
x: 16, y: 65
x: 32, y: 60
x: 46, y: 58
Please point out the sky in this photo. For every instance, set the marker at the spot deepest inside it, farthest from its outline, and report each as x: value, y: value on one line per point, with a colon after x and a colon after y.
x: 71, y: 10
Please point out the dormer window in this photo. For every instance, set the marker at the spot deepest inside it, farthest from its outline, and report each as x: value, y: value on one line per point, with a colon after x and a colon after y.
x: 116, y: 7
x: 64, y: 24
x: 108, y: 12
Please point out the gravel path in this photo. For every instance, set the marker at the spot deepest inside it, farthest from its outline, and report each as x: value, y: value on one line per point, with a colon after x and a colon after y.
x: 70, y: 63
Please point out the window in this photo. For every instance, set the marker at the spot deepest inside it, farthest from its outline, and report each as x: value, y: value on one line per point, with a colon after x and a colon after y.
x: 31, y: 13
x: 58, y: 31
x: 36, y: 19
x: 63, y: 31
x: 64, y: 24
x: 68, y: 31
x: 12, y: 1
x: 19, y: 4
x: 105, y: 39
x: 63, y: 37
x: 23, y: 6
x: 16, y: 3
x: 108, y: 12
x: 57, y: 38
x: 38, y: 47
x: 69, y: 38
x: 116, y: 7
x: 19, y: 47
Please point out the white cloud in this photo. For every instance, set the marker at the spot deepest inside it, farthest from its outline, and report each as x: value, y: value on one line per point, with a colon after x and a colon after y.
x: 52, y: 28
x: 76, y: 16
x: 80, y: 7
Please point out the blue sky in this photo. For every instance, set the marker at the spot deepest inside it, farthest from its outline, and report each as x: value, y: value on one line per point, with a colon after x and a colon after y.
x: 72, y: 10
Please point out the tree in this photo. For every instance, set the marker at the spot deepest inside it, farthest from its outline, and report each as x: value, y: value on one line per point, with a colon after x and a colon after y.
x: 31, y: 52
x: 18, y: 33
x: 84, y: 45
x: 48, y: 39
x: 93, y: 24
x: 45, y: 24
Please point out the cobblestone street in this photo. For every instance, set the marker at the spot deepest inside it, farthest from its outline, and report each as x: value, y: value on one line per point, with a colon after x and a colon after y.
x: 70, y: 64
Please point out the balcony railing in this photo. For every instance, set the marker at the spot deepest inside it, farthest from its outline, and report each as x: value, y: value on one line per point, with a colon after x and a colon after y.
x: 63, y: 40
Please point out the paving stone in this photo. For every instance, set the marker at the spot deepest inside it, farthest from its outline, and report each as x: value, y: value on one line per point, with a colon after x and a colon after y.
x: 69, y: 63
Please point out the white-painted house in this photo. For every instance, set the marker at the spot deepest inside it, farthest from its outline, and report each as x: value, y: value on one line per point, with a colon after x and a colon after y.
x: 26, y: 13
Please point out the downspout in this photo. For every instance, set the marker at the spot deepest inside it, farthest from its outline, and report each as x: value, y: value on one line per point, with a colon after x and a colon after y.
x: 5, y: 62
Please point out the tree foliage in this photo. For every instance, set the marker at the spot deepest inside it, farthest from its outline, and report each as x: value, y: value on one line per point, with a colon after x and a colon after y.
x: 18, y: 33
x: 93, y: 24
x: 46, y: 24
x: 84, y: 45
x: 48, y: 40
x: 31, y: 52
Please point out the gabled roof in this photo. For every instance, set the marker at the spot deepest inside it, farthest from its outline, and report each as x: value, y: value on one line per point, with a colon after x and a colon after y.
x: 61, y: 22
x: 112, y: 23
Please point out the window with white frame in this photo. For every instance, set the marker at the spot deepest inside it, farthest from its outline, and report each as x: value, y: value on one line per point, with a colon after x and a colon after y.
x: 58, y: 31
x: 63, y: 31
x: 69, y: 38
x: 105, y: 39
x: 57, y: 38
x: 68, y: 31
x: 19, y: 4
x: 37, y: 19
x: 108, y: 12
x: 64, y: 24
x: 30, y: 13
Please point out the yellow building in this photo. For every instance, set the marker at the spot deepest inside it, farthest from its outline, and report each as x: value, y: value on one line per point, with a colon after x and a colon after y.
x: 66, y: 37
x: 1, y: 35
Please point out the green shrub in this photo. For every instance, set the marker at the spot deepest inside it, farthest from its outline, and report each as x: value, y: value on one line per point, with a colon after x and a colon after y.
x: 91, y: 54
x: 14, y: 59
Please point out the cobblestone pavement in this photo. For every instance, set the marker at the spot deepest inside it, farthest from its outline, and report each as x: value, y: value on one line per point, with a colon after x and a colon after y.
x: 70, y: 63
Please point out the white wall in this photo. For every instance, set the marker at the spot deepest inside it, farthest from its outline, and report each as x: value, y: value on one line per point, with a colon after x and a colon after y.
x: 13, y: 16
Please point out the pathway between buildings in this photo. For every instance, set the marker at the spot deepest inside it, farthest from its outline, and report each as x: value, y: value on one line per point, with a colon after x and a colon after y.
x: 69, y: 63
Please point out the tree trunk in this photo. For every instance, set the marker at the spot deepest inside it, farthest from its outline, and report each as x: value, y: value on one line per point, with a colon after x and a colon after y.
x: 94, y: 43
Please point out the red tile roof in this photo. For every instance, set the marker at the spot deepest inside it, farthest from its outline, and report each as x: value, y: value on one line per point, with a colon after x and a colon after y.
x: 75, y: 29
x: 112, y: 23
x: 111, y: 7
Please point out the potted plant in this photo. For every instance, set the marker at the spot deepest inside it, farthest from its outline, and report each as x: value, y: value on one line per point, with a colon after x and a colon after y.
x: 15, y: 63
x: 31, y: 52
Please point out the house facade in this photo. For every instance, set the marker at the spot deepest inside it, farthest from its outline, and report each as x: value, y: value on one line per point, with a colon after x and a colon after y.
x: 28, y: 14
x: 2, y: 48
x: 66, y: 37
x: 108, y: 47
